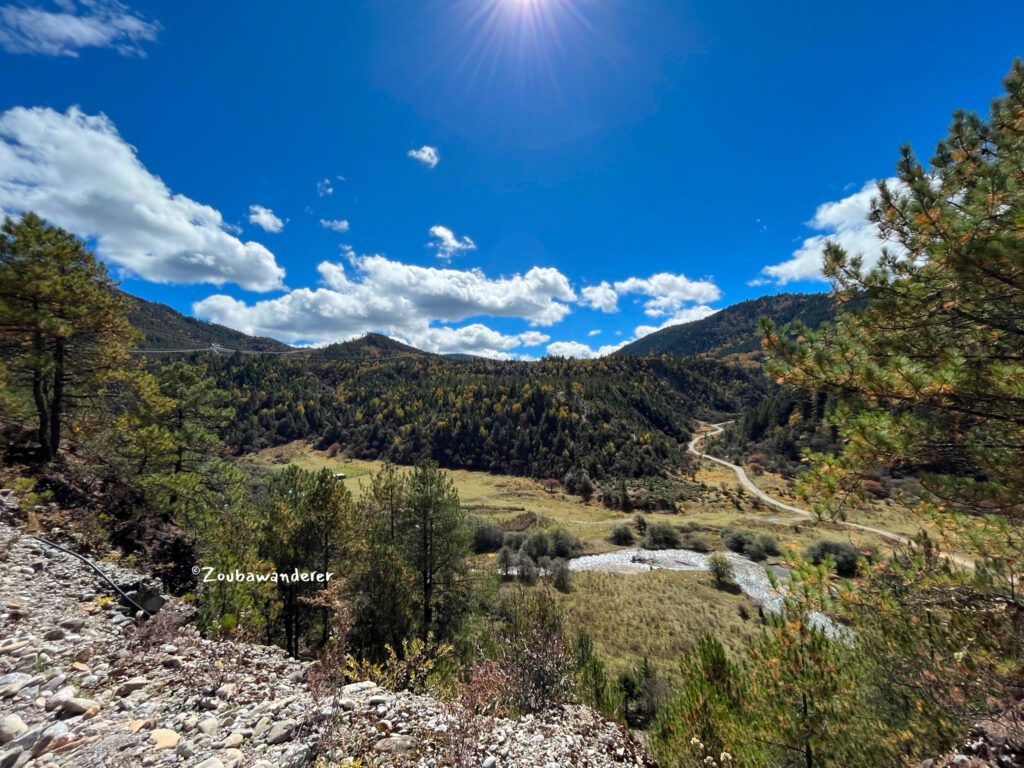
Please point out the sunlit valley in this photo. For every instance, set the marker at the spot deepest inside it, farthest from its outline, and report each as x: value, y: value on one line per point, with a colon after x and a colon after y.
x: 510, y: 383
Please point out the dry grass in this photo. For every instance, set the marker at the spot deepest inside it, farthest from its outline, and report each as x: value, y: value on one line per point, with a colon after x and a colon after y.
x: 660, y: 614
x: 496, y: 497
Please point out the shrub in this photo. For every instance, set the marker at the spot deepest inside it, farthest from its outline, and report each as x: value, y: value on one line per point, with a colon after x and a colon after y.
x: 750, y: 545
x: 662, y: 536
x: 538, y: 544
x: 526, y: 569
x: 738, y: 541
x: 621, y: 535
x: 768, y: 544
x: 535, y: 654
x: 565, y: 545
x: 755, y: 551
x: 641, y: 524
x: 643, y: 692
x: 593, y: 685
x: 514, y: 540
x: 561, y: 576
x: 720, y: 567
x: 695, y: 542
x: 844, y: 555
x: 487, y: 537
x: 506, y: 561
x: 551, y: 485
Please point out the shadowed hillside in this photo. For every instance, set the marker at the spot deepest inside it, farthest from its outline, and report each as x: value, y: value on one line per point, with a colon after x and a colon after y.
x: 734, y: 329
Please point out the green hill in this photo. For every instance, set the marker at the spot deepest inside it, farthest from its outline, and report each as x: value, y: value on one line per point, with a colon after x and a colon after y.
x: 612, y: 417
x: 166, y: 328
x: 734, y: 329
x: 372, y: 346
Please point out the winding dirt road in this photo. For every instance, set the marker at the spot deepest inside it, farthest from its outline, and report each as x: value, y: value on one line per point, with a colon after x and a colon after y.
x: 747, y: 483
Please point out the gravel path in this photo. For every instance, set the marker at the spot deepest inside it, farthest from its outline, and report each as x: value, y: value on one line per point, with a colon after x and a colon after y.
x: 748, y: 484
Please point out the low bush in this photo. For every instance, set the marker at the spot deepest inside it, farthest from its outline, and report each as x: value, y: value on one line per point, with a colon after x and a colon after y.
x: 561, y: 576
x: 750, y: 545
x: 695, y: 541
x: 514, y: 540
x: 535, y: 654
x: 843, y: 554
x: 621, y: 535
x: 768, y: 544
x: 662, y: 536
x: 720, y: 568
x: 565, y: 545
x: 487, y: 537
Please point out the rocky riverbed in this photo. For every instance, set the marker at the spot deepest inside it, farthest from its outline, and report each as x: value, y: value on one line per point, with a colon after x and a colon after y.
x: 85, y: 682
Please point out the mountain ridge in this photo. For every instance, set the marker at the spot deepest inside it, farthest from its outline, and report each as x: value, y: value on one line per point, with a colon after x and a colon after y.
x: 734, y: 329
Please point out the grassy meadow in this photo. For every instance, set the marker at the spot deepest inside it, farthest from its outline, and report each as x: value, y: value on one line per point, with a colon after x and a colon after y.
x: 660, y: 614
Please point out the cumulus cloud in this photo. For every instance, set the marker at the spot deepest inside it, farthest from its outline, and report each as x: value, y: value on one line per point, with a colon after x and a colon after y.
x: 667, y: 293
x: 76, y: 171
x: 374, y: 293
x: 844, y: 221
x: 426, y: 154
x: 534, y: 338
x: 582, y: 351
x: 473, y: 339
x: 336, y: 225
x: 265, y: 219
x: 324, y: 188
x: 70, y: 26
x: 447, y: 244
x: 601, y: 296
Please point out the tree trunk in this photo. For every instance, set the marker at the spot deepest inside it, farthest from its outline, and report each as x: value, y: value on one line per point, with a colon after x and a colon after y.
x: 39, y: 395
x: 428, y: 609
x: 57, y: 401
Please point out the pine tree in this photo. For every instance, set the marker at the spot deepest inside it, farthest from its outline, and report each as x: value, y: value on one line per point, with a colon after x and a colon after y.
x: 435, y: 540
x: 929, y: 374
x: 64, y: 330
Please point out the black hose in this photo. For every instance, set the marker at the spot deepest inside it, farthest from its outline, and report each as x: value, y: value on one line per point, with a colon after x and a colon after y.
x: 92, y: 565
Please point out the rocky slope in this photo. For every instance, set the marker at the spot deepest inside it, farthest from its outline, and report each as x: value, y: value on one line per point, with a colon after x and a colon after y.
x: 85, y: 682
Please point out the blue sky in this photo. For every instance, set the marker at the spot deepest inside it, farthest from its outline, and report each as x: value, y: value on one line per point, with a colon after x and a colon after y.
x: 503, y: 177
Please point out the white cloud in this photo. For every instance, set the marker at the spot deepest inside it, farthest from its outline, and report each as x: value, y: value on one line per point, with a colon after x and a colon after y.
x: 426, y: 154
x: 447, y: 244
x: 578, y: 350
x: 324, y: 188
x: 76, y: 171
x: 844, y: 221
x: 595, y: 332
x: 602, y: 296
x: 337, y: 225
x: 72, y: 26
x: 534, y: 338
x: 473, y: 339
x: 667, y: 293
x: 265, y: 219
x: 405, y: 301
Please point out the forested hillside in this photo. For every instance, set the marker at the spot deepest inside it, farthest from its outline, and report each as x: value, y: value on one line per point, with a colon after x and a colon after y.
x: 734, y: 329
x: 610, y: 417
x: 165, y: 328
